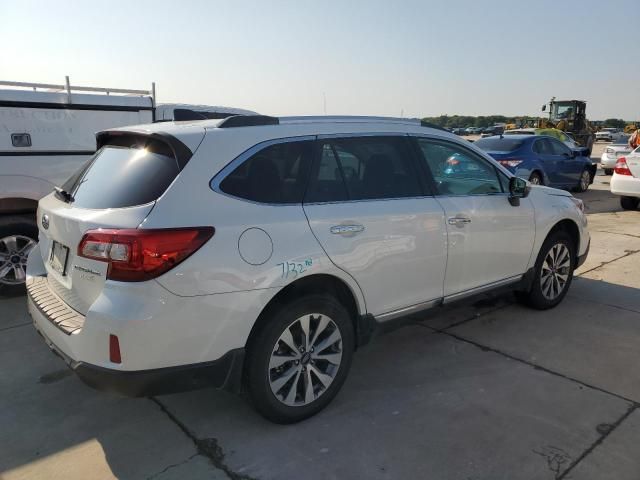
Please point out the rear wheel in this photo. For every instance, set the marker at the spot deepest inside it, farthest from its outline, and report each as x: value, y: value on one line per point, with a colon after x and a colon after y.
x: 584, y: 182
x: 629, y: 203
x: 536, y: 179
x: 608, y: 171
x: 553, y: 272
x: 299, y: 359
x: 18, y: 236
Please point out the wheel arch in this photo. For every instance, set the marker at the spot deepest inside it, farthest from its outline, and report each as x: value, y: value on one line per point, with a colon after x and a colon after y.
x: 570, y: 227
x: 320, y: 283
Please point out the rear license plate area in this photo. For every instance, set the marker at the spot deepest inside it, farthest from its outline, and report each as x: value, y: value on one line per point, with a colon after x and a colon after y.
x: 59, y: 257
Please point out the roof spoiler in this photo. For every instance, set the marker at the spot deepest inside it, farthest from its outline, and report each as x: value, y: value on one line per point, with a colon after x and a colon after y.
x: 181, y: 152
x: 248, y: 121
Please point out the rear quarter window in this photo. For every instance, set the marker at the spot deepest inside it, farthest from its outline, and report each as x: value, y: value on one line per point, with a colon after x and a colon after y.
x: 276, y: 174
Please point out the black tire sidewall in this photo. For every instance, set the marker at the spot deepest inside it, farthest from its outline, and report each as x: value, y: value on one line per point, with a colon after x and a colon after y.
x: 536, y: 174
x: 535, y: 297
x: 260, y: 347
x: 629, y: 203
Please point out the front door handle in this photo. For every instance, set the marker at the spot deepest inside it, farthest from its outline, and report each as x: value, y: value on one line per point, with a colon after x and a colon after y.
x: 347, y: 229
x: 458, y: 221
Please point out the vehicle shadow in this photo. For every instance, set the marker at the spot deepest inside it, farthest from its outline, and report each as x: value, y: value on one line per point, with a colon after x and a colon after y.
x: 415, y: 379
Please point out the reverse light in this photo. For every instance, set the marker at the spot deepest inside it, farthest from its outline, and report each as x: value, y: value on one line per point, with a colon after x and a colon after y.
x: 135, y: 255
x: 510, y: 163
x: 621, y: 167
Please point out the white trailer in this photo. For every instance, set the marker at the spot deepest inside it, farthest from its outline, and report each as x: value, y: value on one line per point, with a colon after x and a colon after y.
x: 46, y: 133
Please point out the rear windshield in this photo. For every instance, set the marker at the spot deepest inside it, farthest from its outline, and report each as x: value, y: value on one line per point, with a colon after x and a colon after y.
x: 123, y: 176
x: 499, y: 144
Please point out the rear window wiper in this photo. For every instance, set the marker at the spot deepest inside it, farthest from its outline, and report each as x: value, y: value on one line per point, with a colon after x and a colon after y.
x: 63, y: 195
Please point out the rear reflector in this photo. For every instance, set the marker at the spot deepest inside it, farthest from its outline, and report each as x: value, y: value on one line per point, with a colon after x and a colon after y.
x: 622, y: 168
x: 114, y: 349
x: 135, y: 255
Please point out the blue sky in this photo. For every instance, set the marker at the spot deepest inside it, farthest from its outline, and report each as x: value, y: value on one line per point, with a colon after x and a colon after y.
x: 419, y: 58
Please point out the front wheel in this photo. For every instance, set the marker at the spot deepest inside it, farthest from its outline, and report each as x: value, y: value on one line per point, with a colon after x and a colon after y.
x: 553, y: 272
x: 629, y: 203
x: 299, y: 359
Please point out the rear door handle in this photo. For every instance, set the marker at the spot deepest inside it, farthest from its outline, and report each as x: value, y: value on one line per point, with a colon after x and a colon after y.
x: 347, y: 229
x: 458, y: 221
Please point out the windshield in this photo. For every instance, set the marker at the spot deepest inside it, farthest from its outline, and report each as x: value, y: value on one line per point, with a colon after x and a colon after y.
x: 118, y: 177
x: 499, y: 144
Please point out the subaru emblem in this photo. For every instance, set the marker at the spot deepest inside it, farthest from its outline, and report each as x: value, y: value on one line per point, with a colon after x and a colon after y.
x: 45, y: 221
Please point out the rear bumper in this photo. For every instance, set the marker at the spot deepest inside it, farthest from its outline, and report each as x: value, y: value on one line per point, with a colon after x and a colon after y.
x: 625, y: 185
x: 225, y: 373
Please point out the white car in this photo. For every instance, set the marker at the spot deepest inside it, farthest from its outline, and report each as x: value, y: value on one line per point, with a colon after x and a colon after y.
x: 626, y: 180
x: 617, y: 149
x: 259, y: 252
x: 608, y: 134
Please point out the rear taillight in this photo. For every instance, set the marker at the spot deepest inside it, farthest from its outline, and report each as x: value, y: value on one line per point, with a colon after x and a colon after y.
x: 114, y: 349
x: 510, y: 163
x: 621, y: 167
x: 138, y: 255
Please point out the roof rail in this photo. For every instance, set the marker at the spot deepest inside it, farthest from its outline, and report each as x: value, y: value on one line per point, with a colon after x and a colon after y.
x: 76, y: 88
x: 248, y: 121
x: 349, y: 118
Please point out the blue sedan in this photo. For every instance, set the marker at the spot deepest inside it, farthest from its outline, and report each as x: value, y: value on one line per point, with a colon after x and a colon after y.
x: 542, y: 160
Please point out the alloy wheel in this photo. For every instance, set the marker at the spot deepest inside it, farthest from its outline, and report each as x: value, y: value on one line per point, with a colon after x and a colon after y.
x: 585, y: 179
x: 305, y: 360
x: 535, y: 180
x: 556, y: 269
x: 14, y: 251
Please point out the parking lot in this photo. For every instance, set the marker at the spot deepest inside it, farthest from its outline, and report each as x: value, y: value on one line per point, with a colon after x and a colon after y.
x: 486, y: 389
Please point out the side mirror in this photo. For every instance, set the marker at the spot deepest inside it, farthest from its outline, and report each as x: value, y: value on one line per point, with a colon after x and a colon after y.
x: 544, y: 107
x: 518, y: 189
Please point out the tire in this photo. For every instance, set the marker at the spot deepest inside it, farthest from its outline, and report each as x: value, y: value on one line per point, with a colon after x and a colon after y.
x: 539, y: 296
x: 629, y: 203
x: 608, y: 171
x: 18, y: 235
x: 584, y: 182
x: 536, y: 179
x: 278, y: 387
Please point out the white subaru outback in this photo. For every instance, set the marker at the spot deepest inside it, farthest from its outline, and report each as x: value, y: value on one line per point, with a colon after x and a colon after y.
x: 257, y: 253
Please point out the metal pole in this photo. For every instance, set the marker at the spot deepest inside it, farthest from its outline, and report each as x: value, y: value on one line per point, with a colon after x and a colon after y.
x: 153, y: 94
x: 66, y: 82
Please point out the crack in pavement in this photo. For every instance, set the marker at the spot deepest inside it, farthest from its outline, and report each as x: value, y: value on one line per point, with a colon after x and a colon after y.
x: 553, y: 460
x: 617, y: 233
x: 627, y: 254
x: 173, y: 465
x: 600, y: 440
x: 15, y: 326
x: 207, y: 447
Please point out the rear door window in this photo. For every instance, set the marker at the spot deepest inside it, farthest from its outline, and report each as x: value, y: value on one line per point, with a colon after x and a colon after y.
x: 276, y: 174
x: 367, y: 168
x: 123, y: 176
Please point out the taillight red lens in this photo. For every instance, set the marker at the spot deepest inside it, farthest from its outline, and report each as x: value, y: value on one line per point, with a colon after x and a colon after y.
x: 114, y: 349
x: 135, y: 255
x: 621, y: 167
